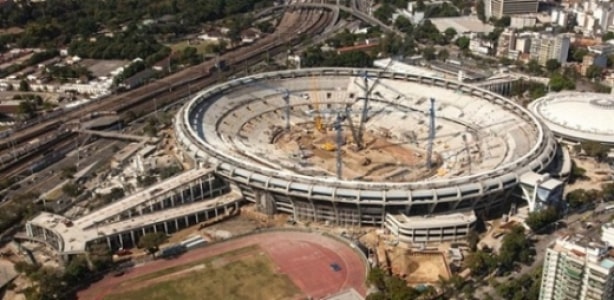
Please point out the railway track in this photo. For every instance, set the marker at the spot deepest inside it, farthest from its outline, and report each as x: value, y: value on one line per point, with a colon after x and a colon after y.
x: 172, y: 88
x: 317, y: 25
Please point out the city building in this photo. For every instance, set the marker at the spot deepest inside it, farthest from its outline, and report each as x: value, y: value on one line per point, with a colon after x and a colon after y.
x: 607, y: 231
x: 593, y: 59
x: 606, y: 48
x: 575, y: 268
x: 540, y: 190
x: 479, y: 46
x: 500, y: 8
x: 522, y: 21
x: 506, y: 45
x: 559, y: 17
x: 593, y: 17
x: 547, y: 47
x: 523, y: 42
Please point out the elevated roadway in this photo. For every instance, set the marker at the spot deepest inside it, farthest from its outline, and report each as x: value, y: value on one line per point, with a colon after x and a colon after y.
x: 354, y: 11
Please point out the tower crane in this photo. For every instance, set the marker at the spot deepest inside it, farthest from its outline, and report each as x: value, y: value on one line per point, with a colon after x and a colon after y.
x: 429, y: 148
x: 285, y: 96
x: 317, y: 118
x: 468, y: 152
x: 363, y: 116
x: 337, y: 126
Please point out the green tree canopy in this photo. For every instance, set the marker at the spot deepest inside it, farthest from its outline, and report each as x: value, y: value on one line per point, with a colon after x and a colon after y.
x: 552, y: 65
x: 515, y: 248
x: 559, y: 82
x: 463, y: 42
x: 594, y: 71
x: 540, y: 219
x: 597, y: 150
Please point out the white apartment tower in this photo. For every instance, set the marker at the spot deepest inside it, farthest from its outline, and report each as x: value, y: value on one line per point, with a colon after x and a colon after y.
x: 500, y: 8
x: 575, y: 269
x: 544, y: 48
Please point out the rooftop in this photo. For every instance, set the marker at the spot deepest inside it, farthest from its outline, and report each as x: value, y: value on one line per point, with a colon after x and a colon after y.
x: 135, y: 199
x: 75, y: 235
x: 585, y: 249
x: 464, y: 24
x: 580, y: 115
x: 442, y: 220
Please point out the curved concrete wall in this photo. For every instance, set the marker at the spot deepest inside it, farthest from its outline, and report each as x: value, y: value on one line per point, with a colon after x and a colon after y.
x: 478, y: 190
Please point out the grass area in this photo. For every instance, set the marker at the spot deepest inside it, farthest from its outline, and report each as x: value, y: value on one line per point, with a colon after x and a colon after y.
x: 250, y: 276
x: 202, y: 47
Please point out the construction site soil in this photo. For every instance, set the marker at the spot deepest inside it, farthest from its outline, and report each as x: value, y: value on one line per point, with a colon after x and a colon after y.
x: 381, y: 158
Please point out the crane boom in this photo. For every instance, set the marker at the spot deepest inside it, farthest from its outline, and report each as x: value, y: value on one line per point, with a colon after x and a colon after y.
x: 429, y: 148
x: 363, y: 117
x: 317, y: 118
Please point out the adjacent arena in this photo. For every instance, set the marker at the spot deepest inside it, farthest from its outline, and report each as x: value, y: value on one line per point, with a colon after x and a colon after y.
x: 482, y: 145
x: 578, y: 116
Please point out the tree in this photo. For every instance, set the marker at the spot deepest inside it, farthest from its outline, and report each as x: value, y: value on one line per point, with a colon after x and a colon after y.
x: 577, y: 54
x: 428, y: 53
x: 463, y: 42
x: 480, y: 263
x: 597, y: 150
x: 607, y: 191
x: 71, y: 189
x: 76, y: 270
x: 593, y: 71
x: 578, y: 198
x: 403, y: 24
x: 449, y: 33
x: 534, y: 67
x: 420, y: 6
x: 443, y: 54
x: 26, y: 108
x: 552, y: 65
x: 24, y: 86
x: 384, y: 13
x: 390, y: 287
x: 377, y: 277
x: 152, y: 241
x: 540, y: 219
x: 515, y: 248
x: 560, y: 82
x: 577, y: 173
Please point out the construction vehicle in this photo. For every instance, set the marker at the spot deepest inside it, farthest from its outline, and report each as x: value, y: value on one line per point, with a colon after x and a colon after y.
x: 328, y: 146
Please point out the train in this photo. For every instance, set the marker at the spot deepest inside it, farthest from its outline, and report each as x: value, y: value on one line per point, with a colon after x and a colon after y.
x: 46, y: 160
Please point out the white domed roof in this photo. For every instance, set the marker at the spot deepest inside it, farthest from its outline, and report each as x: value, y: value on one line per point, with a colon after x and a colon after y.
x: 578, y: 115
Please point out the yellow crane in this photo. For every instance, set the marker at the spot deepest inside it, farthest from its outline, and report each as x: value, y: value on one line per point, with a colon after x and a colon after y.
x: 317, y: 118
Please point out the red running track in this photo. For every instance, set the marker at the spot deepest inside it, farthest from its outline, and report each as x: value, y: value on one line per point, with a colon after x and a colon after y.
x: 304, y: 257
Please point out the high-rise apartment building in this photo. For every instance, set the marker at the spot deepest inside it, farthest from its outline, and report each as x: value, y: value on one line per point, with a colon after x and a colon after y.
x: 544, y: 48
x: 577, y: 269
x: 500, y: 8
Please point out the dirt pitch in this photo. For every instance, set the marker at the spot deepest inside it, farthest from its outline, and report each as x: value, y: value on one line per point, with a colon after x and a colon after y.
x: 302, y: 258
x: 426, y: 268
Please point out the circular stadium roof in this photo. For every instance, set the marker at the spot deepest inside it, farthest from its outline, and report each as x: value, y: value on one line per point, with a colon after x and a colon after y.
x: 577, y: 115
x: 234, y: 124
